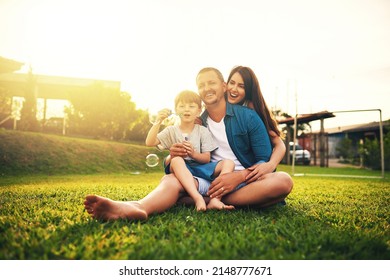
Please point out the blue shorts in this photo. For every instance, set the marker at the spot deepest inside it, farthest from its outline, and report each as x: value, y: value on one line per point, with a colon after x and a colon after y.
x: 204, y: 186
x: 205, y: 171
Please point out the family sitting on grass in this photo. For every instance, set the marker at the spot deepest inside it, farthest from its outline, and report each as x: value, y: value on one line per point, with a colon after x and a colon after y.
x: 228, y: 162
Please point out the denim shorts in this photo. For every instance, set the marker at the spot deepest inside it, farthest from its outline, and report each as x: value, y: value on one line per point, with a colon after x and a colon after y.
x: 205, y: 171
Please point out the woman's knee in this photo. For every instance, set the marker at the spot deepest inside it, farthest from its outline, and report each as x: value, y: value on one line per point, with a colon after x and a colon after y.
x: 286, y: 182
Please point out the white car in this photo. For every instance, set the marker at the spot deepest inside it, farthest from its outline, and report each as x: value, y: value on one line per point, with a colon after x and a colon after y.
x: 301, y: 155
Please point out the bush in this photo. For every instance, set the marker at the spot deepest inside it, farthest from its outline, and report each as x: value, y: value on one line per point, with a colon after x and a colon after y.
x: 371, y: 152
x: 345, y: 151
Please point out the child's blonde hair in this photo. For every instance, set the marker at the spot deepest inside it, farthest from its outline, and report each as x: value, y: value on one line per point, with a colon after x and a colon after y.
x: 187, y: 96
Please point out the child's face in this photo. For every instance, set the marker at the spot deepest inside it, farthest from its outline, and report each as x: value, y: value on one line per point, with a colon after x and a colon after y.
x: 188, y: 112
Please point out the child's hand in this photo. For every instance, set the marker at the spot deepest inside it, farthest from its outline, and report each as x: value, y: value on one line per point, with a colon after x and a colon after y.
x: 163, y: 114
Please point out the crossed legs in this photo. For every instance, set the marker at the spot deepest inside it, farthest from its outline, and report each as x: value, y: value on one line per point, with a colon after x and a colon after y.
x: 271, y: 189
x: 274, y: 187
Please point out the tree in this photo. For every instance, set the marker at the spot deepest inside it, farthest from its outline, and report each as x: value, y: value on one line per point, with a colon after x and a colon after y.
x: 139, y: 128
x: 345, y: 150
x: 372, y: 154
x: 28, y: 118
x: 5, y: 104
x: 98, y: 111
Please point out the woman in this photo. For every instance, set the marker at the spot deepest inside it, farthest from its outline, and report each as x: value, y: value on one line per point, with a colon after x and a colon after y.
x: 243, y: 89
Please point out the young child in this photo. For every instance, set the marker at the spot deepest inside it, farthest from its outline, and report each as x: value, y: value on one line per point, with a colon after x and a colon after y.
x: 198, y: 143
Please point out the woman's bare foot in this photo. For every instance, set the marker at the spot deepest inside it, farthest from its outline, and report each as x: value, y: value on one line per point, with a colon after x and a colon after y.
x: 218, y: 205
x: 105, y: 209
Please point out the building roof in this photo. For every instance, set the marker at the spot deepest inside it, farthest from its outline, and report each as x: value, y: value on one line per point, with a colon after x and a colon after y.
x: 9, y: 65
x: 306, y: 118
x: 51, y: 87
x: 372, y: 126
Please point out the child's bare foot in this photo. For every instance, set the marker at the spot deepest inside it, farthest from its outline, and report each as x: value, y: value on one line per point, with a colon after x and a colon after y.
x: 200, y: 204
x: 218, y: 205
x: 105, y: 209
x: 189, y: 201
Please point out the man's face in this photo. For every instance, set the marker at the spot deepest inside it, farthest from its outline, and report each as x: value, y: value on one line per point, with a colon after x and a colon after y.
x: 210, y: 88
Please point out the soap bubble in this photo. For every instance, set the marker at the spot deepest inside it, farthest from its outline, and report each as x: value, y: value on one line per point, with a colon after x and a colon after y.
x: 152, y: 118
x: 152, y: 160
x: 172, y: 119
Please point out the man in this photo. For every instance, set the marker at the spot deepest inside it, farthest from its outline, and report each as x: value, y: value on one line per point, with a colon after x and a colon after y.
x: 241, y: 136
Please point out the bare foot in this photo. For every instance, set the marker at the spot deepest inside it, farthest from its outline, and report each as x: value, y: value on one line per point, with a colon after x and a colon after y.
x: 105, y: 209
x: 200, y: 204
x: 189, y: 201
x: 218, y: 205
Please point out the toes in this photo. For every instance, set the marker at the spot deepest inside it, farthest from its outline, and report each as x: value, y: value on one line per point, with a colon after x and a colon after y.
x: 91, y: 199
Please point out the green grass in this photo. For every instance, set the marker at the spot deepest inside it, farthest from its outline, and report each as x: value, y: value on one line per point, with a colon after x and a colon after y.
x: 44, y: 179
x: 27, y: 153
x: 42, y: 217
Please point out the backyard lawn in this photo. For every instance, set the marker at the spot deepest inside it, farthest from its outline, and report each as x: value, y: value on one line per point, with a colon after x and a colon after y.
x: 326, y: 218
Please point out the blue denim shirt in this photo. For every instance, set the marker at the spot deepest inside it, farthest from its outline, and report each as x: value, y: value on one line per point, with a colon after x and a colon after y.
x: 246, y: 134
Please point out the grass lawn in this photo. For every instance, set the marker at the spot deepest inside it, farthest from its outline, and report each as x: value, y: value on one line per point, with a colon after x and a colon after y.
x: 42, y: 217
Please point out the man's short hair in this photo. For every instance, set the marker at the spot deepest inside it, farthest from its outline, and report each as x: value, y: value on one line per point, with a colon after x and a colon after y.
x: 215, y: 70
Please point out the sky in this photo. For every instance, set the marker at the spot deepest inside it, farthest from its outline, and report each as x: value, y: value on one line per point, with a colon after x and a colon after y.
x: 308, y: 55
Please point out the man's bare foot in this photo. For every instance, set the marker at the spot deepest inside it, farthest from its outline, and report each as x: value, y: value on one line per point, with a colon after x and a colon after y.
x: 218, y: 205
x: 105, y: 209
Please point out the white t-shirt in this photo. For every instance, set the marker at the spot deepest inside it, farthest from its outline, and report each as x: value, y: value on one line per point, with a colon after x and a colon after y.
x: 224, y: 151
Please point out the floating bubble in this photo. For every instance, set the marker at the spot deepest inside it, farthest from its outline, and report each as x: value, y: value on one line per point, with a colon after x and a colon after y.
x: 171, y: 119
x: 152, y: 118
x: 152, y: 160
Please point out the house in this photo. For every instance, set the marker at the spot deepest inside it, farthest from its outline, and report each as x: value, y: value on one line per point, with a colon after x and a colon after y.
x: 323, y: 144
x: 357, y: 133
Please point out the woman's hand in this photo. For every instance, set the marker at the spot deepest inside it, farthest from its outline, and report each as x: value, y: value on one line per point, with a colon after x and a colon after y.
x: 257, y: 171
x: 225, y: 183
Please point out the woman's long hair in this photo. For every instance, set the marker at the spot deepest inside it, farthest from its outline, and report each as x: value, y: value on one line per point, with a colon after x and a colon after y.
x: 253, y: 94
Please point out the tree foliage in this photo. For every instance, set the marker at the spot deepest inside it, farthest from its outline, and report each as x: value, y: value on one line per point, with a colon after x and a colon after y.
x: 5, y: 104
x: 102, y: 112
x: 371, y: 153
x: 345, y: 150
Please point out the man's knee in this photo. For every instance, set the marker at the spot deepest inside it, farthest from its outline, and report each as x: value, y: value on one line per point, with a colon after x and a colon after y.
x: 170, y: 180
